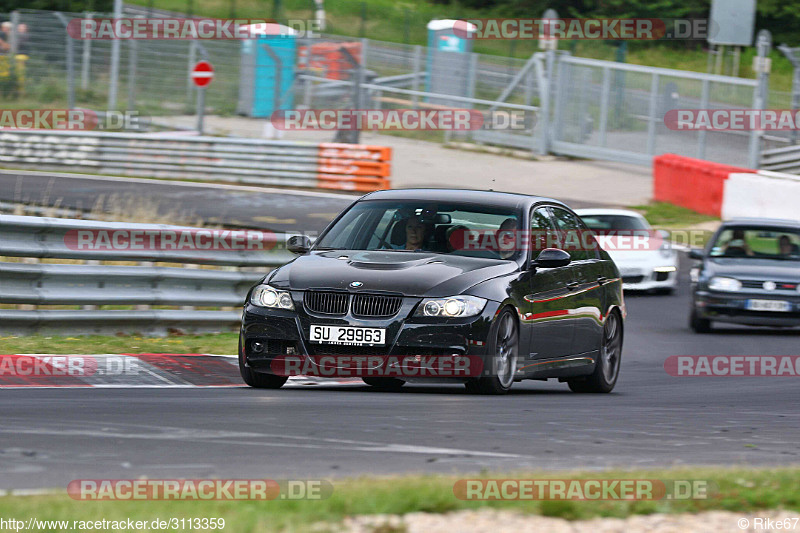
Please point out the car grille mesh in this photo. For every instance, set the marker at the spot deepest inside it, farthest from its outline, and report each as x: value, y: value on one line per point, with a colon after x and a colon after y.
x: 328, y: 303
x: 759, y: 284
x: 366, y: 305
x: 374, y: 305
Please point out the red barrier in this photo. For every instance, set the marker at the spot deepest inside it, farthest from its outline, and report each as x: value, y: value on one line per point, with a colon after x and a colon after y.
x: 692, y: 183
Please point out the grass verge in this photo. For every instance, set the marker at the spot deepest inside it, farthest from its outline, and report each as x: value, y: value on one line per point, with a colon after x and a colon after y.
x: 217, y: 343
x: 736, y: 490
x: 666, y: 215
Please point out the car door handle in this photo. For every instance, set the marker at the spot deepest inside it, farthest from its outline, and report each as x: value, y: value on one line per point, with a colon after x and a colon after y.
x: 573, y: 285
x: 602, y: 280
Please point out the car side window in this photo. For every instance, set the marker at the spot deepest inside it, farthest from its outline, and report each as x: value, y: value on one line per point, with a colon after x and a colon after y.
x: 541, y: 231
x: 575, y: 237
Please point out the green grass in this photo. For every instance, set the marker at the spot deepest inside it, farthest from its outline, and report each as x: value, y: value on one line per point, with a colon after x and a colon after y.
x: 666, y: 215
x: 219, y: 343
x: 735, y: 490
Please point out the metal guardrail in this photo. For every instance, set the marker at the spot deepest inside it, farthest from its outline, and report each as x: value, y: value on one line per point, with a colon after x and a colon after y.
x: 786, y: 159
x: 238, y: 160
x: 48, y: 284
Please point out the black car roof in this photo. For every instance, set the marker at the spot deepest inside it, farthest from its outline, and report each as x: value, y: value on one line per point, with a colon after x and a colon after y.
x: 497, y: 198
x: 768, y: 222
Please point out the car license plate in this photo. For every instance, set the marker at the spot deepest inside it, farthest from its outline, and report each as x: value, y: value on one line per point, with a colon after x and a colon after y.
x: 769, y: 305
x: 348, y: 335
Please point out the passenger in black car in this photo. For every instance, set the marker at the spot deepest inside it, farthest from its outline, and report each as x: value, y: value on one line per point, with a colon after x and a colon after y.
x: 786, y: 247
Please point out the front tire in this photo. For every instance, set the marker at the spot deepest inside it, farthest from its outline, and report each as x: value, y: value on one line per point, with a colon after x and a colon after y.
x: 505, y: 350
x: 259, y: 380
x: 699, y: 325
x: 606, y: 369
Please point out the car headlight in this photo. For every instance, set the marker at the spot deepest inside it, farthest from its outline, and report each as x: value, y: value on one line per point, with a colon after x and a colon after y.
x: 724, y: 284
x: 667, y: 269
x: 266, y: 296
x: 666, y: 251
x: 451, y: 307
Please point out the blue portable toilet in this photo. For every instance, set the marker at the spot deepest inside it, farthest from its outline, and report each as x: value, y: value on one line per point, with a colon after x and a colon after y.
x: 449, y: 48
x: 265, y: 83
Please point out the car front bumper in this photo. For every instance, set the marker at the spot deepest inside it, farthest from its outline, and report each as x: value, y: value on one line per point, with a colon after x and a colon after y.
x: 649, y: 280
x: 286, y: 333
x: 724, y: 307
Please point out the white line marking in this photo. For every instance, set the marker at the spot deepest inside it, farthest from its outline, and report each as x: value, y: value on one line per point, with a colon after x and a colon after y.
x: 222, y: 437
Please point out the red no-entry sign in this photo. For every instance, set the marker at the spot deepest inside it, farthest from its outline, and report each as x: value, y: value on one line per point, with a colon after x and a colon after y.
x: 202, y: 73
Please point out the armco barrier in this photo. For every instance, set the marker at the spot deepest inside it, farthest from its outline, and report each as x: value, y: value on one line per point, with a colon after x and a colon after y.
x: 691, y: 183
x: 128, y: 285
x: 784, y: 159
x: 351, y: 167
x: 765, y: 194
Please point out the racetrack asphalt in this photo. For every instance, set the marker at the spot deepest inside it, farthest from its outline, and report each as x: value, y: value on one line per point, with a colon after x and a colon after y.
x: 215, y: 204
x: 49, y: 437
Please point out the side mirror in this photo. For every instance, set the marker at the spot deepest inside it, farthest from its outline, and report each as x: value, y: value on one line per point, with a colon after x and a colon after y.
x: 298, y: 244
x: 551, y: 258
x: 695, y: 253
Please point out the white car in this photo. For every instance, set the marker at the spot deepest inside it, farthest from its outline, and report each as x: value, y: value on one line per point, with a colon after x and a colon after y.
x: 641, y: 269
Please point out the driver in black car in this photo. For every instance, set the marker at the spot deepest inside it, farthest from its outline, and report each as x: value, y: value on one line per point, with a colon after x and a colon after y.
x: 416, y: 233
x: 737, y: 246
x: 506, y: 238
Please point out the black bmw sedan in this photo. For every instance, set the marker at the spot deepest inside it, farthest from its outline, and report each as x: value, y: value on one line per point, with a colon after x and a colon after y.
x: 408, y: 275
x: 749, y: 273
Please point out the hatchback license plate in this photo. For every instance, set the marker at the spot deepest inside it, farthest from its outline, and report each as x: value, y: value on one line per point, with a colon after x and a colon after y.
x: 348, y: 335
x: 769, y: 305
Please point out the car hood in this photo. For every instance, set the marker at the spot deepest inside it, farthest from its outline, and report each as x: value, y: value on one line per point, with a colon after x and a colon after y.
x: 408, y: 273
x: 758, y: 269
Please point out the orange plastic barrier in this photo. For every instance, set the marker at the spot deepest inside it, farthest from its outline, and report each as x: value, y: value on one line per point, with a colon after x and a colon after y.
x: 353, y: 167
x: 692, y: 183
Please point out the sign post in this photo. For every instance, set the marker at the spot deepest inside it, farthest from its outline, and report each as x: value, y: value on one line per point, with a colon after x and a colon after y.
x: 201, y: 75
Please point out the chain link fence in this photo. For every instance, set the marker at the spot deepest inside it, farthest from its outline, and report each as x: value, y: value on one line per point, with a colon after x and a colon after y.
x: 593, y: 108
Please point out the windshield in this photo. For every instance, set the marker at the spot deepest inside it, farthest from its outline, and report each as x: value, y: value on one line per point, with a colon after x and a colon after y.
x: 420, y: 226
x: 753, y: 242
x: 614, y: 222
